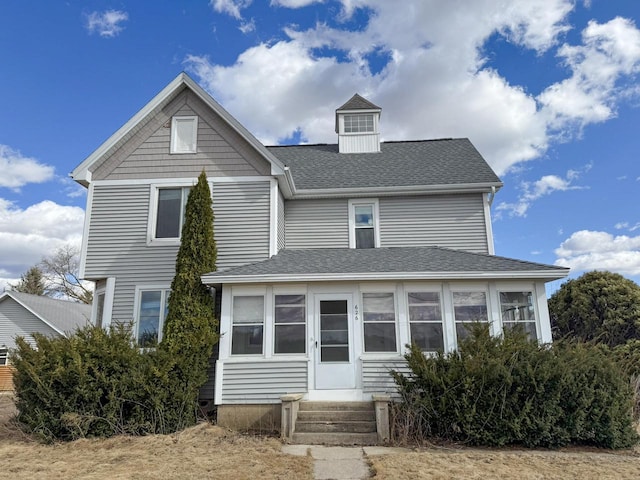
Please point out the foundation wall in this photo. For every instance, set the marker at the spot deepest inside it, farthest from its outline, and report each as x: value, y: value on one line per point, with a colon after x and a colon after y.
x: 265, y: 418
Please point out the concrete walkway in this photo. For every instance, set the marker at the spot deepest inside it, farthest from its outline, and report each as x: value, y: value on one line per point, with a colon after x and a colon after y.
x: 339, y: 463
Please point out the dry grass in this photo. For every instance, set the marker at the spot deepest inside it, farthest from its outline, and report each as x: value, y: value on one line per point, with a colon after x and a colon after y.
x: 204, y: 451
x: 440, y: 463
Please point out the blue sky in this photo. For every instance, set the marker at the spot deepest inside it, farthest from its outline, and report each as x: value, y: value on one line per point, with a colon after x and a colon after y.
x: 547, y: 90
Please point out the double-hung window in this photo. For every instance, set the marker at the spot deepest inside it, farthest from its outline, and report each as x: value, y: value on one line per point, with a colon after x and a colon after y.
x: 184, y: 134
x: 425, y: 320
x: 289, y: 324
x: 518, y: 312
x: 248, y: 325
x: 170, y: 211
x: 379, y: 321
x: 4, y: 356
x: 363, y: 221
x: 468, y: 307
x: 152, y: 312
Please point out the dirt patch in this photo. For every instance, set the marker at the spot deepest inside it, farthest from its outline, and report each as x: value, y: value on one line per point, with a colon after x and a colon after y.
x: 204, y: 451
x: 443, y: 464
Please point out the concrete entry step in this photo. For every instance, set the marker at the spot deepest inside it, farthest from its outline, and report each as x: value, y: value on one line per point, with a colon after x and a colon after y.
x: 308, y: 438
x: 333, y: 406
x: 328, y: 426
x: 337, y: 415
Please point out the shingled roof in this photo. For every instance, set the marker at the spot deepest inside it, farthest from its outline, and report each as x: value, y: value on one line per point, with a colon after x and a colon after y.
x: 384, y: 263
x: 358, y: 103
x: 445, y: 162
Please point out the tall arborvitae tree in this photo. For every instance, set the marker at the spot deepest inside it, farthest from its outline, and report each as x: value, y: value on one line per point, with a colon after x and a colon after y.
x: 31, y: 282
x: 190, y: 329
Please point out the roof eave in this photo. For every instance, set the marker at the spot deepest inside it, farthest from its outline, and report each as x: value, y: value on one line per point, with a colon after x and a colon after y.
x: 545, y: 275
x: 395, y: 190
x: 32, y: 311
x: 82, y: 175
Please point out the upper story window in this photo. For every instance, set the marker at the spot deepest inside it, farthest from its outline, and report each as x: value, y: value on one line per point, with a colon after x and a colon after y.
x: 364, y: 224
x: 468, y: 307
x: 518, y: 312
x: 379, y: 322
x: 358, y: 123
x: 170, y: 212
x: 184, y: 134
x: 153, y: 306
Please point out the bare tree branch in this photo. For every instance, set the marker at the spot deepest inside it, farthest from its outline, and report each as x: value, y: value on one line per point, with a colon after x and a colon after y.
x: 61, y: 275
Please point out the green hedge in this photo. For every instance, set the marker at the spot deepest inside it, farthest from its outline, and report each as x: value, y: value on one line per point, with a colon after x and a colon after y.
x: 95, y: 384
x: 511, y: 391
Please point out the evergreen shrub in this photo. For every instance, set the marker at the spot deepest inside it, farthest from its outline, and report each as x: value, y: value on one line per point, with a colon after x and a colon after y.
x: 95, y: 383
x: 497, y: 391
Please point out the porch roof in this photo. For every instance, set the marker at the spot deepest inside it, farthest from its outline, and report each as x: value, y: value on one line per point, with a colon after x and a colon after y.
x: 408, y: 263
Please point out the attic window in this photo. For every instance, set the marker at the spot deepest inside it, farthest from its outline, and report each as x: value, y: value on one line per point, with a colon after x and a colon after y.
x: 358, y: 123
x: 184, y: 134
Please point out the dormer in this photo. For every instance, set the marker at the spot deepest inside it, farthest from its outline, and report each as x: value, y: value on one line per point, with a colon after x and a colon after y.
x: 357, y: 124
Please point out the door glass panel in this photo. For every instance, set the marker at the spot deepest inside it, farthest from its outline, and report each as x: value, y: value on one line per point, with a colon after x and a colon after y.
x: 334, y: 331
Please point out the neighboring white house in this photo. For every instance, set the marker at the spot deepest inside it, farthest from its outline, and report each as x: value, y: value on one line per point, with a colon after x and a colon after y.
x: 22, y: 314
x: 331, y: 258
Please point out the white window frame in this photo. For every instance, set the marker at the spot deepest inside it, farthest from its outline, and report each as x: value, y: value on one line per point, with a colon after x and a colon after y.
x: 165, y: 291
x: 4, y: 355
x: 531, y: 291
x: 107, y: 289
x: 264, y: 323
x: 153, y: 211
x: 277, y: 293
x: 358, y: 116
x: 396, y: 315
x: 460, y: 289
x: 411, y: 289
x: 174, y: 134
x: 353, y: 203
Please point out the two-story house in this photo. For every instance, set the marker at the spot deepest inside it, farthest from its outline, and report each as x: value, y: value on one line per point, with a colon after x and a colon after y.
x: 331, y: 258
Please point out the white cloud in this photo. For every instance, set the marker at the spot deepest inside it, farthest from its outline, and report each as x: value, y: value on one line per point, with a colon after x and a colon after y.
x: 593, y: 250
x: 436, y: 82
x: 247, y: 27
x: 230, y: 7
x: 107, y: 23
x: 26, y: 235
x: 621, y: 225
x: 18, y: 170
x: 531, y: 191
x: 294, y: 3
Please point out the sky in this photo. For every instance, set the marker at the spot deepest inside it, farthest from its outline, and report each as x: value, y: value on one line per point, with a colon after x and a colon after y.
x: 547, y: 91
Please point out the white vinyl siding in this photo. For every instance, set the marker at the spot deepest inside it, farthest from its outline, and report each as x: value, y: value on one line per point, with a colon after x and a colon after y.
x: 262, y: 381
x: 317, y: 223
x: 452, y: 221
x: 376, y: 375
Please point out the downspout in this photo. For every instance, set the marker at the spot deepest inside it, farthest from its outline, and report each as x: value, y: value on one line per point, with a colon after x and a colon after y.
x: 491, y: 195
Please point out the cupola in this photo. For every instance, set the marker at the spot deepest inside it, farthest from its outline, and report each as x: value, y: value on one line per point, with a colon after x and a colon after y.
x: 357, y: 124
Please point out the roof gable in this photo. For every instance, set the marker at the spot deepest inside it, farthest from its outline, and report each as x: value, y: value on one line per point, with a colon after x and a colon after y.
x: 358, y: 102
x: 61, y: 315
x: 82, y: 173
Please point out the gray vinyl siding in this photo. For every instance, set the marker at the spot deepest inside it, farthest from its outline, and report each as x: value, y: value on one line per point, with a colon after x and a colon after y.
x: 242, y: 222
x: 117, y: 241
x: 376, y: 376
x: 15, y: 320
x: 262, y: 381
x: 220, y: 150
x: 317, y: 223
x: 453, y: 221
x: 281, y: 222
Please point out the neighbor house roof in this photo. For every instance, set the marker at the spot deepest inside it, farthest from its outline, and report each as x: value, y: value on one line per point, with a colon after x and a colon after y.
x: 384, y: 264
x: 436, y: 164
x: 61, y: 315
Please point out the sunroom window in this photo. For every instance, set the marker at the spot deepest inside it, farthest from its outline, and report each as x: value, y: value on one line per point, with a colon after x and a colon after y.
x: 425, y: 319
x: 248, y: 325
x: 170, y: 212
x: 152, y: 312
x: 290, y: 324
x: 518, y: 312
x: 379, y: 320
x: 468, y: 307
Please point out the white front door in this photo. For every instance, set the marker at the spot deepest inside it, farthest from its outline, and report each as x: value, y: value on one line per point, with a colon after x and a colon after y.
x: 334, y: 356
